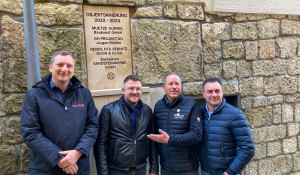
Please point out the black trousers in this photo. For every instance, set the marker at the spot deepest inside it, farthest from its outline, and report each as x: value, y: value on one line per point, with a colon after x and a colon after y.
x: 164, y: 172
x: 131, y: 171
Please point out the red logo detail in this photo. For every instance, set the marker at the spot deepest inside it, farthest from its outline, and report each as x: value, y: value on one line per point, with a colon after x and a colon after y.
x: 79, y: 105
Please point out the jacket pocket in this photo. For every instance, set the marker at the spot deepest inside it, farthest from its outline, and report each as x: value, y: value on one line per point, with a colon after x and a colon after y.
x: 121, y: 153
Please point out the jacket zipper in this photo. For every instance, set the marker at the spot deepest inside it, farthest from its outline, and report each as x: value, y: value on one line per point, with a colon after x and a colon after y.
x: 134, y: 149
x: 208, y: 123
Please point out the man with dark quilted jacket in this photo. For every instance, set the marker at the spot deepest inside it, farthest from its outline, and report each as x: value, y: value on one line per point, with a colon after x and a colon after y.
x: 227, y: 145
x: 177, y: 119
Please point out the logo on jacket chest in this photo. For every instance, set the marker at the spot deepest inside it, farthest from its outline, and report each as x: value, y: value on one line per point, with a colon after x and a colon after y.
x: 78, y: 106
x: 178, y: 115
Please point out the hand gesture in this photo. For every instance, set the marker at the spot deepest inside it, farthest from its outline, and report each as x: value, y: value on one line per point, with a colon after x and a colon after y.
x: 163, y: 137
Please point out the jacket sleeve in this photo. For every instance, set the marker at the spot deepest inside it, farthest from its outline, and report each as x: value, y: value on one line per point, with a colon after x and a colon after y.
x: 91, y: 128
x: 153, y: 157
x: 242, y: 135
x: 100, y: 146
x: 32, y: 132
x: 195, y: 131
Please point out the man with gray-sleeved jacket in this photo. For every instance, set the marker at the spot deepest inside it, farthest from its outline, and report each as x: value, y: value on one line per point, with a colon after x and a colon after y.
x: 227, y: 145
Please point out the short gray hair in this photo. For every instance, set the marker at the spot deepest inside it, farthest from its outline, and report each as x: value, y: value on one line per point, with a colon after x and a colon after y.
x: 62, y: 52
x: 211, y: 80
x: 172, y: 73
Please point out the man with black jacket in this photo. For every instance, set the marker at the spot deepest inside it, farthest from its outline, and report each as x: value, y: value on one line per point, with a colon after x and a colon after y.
x: 59, y: 121
x: 122, y: 146
x: 178, y: 120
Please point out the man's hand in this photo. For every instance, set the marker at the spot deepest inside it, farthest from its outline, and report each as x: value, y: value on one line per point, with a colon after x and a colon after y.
x: 225, y: 173
x: 163, y: 137
x: 70, y: 158
x: 152, y: 174
x: 72, y: 169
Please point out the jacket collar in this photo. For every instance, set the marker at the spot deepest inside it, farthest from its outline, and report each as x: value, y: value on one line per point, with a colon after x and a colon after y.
x: 218, y: 108
x: 171, y: 104
x: 45, y: 82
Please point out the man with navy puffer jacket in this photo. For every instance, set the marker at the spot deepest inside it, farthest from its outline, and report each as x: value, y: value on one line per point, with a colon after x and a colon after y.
x: 177, y: 119
x: 227, y: 145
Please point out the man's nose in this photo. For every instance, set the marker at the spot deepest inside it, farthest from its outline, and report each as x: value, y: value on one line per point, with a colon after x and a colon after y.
x: 64, y: 68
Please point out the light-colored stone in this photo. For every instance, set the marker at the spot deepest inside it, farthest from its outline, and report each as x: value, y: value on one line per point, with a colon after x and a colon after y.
x: 11, y: 131
x: 212, y: 35
x: 243, y: 69
x: 154, y: 1
x: 260, y: 151
x: 212, y: 70
x: 276, y: 99
x: 161, y: 46
x: 8, y: 159
x: 251, y: 50
x: 263, y: 68
x: 269, y: 133
x: 273, y: 148
x: 290, y: 27
x: 270, y: 83
x: 71, y: 40
x: 297, y: 112
x: 259, y: 116
x: 12, y: 6
x: 277, y: 16
x: 15, y: 70
x: 251, y: 87
x: 295, y: 98
x: 189, y: 11
x: 49, y: 14
x: 280, y: 66
x: 216, y: 31
x: 117, y: 2
x: 246, y: 31
x: 193, y: 89
x: 276, y: 114
x: 75, y: 1
x: 293, y: 17
x: 148, y: 12
x: 267, y: 49
x: 293, y: 129
x: 287, y: 113
x: 170, y: 11
x: 24, y: 158
x: 12, y: 39
x: 255, y: 17
x: 276, y: 166
x: 240, y: 17
x: 231, y: 88
x: 212, y: 52
x: 246, y: 103
x: 288, y: 85
x: 229, y: 69
x: 251, y: 168
x: 155, y: 95
x: 287, y: 46
x: 293, y: 67
x: 268, y: 28
x: 298, y: 49
x: 296, y: 159
x: 260, y: 101
x: 233, y: 50
x: 12, y: 104
x: 289, y: 145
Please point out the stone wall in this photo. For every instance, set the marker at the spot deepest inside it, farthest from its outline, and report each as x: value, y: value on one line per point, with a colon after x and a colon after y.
x: 256, y: 55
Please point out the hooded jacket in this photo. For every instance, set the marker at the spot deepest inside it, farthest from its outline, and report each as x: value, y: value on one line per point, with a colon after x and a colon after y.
x: 49, y: 125
x: 116, y: 147
x: 227, y: 143
x: 181, y: 120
